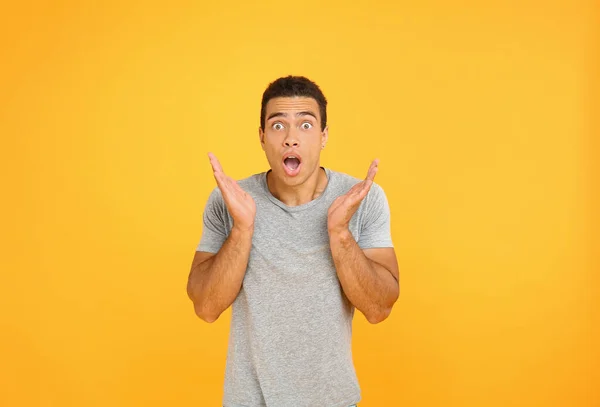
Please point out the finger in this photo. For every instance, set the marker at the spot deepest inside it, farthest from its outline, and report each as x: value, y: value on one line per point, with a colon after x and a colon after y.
x: 372, y: 170
x: 355, y: 188
x: 223, y: 183
x: 214, y: 162
x: 235, y: 187
x: 231, y: 187
x: 352, y: 204
x: 220, y: 176
x: 220, y: 179
x: 228, y: 190
x: 360, y: 192
x: 365, y: 188
x: 228, y: 185
x: 356, y: 194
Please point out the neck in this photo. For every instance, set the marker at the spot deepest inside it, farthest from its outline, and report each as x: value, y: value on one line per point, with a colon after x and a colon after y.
x: 297, y: 195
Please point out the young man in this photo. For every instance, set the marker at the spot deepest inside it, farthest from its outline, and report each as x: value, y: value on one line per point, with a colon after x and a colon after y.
x: 293, y: 250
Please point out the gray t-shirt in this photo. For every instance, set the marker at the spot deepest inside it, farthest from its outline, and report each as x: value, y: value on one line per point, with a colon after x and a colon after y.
x: 291, y: 326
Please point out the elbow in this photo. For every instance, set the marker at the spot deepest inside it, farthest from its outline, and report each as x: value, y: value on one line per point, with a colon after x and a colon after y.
x: 379, y: 316
x: 205, y: 316
x: 200, y: 307
x: 384, y: 311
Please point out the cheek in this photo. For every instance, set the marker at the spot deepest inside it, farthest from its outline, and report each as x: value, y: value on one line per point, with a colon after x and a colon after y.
x: 268, y: 142
x: 271, y: 148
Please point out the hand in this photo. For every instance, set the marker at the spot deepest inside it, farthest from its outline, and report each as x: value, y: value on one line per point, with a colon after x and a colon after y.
x: 240, y: 204
x: 344, y: 207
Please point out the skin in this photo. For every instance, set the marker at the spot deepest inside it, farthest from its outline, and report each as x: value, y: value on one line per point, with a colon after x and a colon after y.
x: 369, y: 278
x: 293, y: 126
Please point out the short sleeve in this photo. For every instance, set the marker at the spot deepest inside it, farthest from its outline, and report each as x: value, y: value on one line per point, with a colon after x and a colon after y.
x: 214, y: 230
x: 375, y: 227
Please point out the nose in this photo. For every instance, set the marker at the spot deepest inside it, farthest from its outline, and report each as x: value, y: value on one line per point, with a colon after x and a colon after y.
x: 291, y: 139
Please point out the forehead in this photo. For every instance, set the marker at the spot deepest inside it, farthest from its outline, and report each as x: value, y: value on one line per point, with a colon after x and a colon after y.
x: 292, y: 105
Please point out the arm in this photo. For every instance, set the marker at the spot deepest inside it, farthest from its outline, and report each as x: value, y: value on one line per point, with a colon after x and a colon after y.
x: 369, y: 278
x: 216, y: 279
x: 367, y: 269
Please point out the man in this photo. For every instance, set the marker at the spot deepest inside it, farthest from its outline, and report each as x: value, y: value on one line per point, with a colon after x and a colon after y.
x: 293, y: 250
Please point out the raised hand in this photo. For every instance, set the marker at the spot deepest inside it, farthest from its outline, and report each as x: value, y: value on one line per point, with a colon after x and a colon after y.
x: 343, y: 208
x: 239, y: 203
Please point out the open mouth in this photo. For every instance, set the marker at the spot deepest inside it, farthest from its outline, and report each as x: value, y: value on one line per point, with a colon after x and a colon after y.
x: 291, y: 164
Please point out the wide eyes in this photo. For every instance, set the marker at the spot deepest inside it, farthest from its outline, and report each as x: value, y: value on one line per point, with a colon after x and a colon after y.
x: 277, y: 126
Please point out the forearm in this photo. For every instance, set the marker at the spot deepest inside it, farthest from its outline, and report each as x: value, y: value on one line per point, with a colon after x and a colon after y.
x: 369, y: 286
x: 214, y: 284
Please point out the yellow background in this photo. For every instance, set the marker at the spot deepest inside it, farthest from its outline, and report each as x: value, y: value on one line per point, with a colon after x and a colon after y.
x: 484, y: 116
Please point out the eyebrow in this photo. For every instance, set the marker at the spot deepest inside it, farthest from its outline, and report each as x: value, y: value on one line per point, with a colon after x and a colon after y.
x: 281, y: 114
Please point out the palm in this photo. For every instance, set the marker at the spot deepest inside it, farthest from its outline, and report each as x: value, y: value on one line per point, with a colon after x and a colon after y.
x: 343, y: 208
x: 239, y: 203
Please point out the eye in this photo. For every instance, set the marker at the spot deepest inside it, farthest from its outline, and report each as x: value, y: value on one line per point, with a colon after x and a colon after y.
x: 277, y: 126
x: 306, y: 125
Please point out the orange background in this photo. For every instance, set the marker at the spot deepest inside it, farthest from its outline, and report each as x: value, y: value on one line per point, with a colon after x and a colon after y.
x: 484, y: 116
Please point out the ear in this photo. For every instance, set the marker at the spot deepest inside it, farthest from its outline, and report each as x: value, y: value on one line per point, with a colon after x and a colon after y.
x: 261, y: 137
x: 325, y: 136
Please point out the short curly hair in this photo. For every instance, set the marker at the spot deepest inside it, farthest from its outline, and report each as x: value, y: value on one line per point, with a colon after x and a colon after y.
x: 291, y: 86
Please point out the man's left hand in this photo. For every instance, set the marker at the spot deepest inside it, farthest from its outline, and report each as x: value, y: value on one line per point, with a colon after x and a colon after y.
x: 344, y: 207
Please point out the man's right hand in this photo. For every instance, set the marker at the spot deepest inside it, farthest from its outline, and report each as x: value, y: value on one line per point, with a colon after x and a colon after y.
x: 239, y: 203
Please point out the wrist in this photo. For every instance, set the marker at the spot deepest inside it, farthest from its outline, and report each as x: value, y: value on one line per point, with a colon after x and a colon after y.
x: 340, y: 234
x: 245, y: 230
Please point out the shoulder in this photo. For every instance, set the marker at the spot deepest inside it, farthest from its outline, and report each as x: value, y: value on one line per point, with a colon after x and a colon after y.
x: 342, y: 182
x: 248, y: 184
x: 252, y: 182
x: 251, y: 185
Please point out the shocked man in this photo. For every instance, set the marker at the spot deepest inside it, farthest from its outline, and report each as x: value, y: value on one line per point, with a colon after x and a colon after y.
x: 294, y: 250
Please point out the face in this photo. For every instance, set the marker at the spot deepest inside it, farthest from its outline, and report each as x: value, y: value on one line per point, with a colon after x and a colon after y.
x: 292, y: 138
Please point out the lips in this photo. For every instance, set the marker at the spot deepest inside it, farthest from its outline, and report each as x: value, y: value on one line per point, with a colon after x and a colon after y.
x: 292, y: 162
